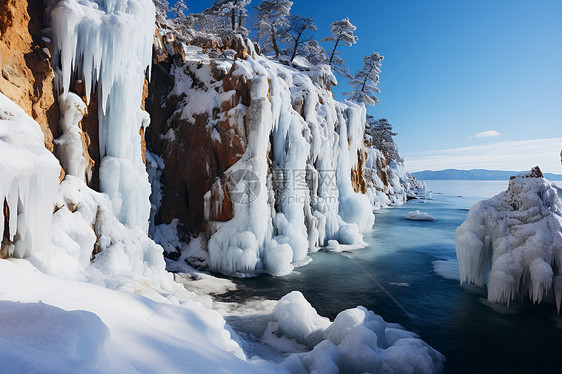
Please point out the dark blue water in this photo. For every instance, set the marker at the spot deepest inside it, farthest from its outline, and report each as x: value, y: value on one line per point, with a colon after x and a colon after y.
x: 394, y: 277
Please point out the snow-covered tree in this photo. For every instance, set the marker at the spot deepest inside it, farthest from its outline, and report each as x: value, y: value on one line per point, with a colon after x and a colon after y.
x: 379, y: 134
x: 313, y: 52
x: 365, y: 82
x: 227, y: 15
x: 342, y: 33
x: 179, y: 12
x: 272, y: 17
x: 162, y: 9
x: 299, y: 32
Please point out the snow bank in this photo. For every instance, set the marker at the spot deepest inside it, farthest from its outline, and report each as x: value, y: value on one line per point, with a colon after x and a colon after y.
x: 417, y: 215
x: 65, y: 326
x: 517, y: 235
x: 28, y: 182
x: 109, y: 44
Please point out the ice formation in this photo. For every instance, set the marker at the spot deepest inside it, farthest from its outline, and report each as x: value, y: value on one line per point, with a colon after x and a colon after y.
x: 108, y: 45
x: 513, y: 241
x: 70, y: 150
x: 28, y: 184
x: 302, y: 161
x: 417, y: 215
x: 91, y: 244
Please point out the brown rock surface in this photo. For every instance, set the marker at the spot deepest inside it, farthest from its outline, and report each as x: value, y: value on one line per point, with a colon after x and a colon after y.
x: 25, y: 63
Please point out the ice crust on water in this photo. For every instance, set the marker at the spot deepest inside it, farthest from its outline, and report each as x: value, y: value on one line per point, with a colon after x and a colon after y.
x: 28, y: 182
x: 108, y: 45
x: 517, y: 237
x: 322, y: 143
x: 417, y: 215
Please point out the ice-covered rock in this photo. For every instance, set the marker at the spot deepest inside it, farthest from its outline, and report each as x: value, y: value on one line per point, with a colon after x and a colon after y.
x: 29, y: 176
x: 388, y: 182
x: 513, y: 241
x: 417, y: 215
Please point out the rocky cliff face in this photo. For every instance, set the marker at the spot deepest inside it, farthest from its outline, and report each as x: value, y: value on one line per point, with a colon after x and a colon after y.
x: 25, y: 63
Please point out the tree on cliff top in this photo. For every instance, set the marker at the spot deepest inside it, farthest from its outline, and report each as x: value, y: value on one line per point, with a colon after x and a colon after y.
x: 342, y: 33
x: 379, y: 134
x: 298, y: 34
x: 272, y: 17
x: 226, y: 16
x: 364, y: 83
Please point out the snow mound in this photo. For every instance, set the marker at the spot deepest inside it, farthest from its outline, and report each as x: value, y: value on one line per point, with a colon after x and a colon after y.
x: 28, y: 182
x: 517, y: 234
x: 85, y: 228
x: 357, y: 341
x: 40, y: 338
x: 417, y: 215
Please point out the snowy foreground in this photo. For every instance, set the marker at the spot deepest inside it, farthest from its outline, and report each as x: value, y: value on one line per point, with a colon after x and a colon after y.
x: 517, y: 237
x: 50, y: 325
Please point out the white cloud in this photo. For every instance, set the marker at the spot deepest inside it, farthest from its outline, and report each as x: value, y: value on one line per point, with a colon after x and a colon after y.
x: 486, y: 134
x: 506, y: 155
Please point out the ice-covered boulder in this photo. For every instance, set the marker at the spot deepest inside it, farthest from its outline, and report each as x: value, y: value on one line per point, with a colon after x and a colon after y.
x: 517, y: 235
x: 357, y: 341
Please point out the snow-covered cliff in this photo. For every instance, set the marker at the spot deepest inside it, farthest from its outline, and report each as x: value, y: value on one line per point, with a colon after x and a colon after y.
x: 277, y: 160
x: 513, y: 242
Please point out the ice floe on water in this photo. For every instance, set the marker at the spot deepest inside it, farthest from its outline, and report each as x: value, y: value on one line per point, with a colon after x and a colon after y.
x: 417, y: 215
x: 448, y: 269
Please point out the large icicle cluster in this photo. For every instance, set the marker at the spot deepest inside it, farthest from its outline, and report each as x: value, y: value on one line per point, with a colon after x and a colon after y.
x: 28, y: 183
x: 108, y: 45
x: 517, y: 237
x: 302, y: 163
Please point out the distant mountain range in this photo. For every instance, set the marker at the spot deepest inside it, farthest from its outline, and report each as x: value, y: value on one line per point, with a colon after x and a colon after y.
x: 474, y: 174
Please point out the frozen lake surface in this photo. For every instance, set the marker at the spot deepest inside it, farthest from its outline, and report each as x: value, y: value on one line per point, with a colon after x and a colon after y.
x: 395, y: 276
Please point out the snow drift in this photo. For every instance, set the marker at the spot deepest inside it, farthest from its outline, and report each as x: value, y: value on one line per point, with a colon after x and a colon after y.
x: 517, y: 237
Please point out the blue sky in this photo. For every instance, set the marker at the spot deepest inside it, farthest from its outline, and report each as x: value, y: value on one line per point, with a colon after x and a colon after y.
x: 453, y: 69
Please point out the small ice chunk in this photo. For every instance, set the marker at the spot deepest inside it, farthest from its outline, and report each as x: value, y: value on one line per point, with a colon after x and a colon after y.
x: 417, y: 215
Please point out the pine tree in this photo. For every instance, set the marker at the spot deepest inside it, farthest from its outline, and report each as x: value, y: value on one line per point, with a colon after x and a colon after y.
x: 178, y: 11
x: 379, y: 134
x: 342, y: 33
x: 299, y: 32
x: 365, y: 81
x: 272, y: 17
x: 226, y: 16
x: 162, y: 9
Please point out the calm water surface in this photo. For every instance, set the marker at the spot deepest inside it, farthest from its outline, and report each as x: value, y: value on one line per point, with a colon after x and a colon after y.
x: 474, y: 336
